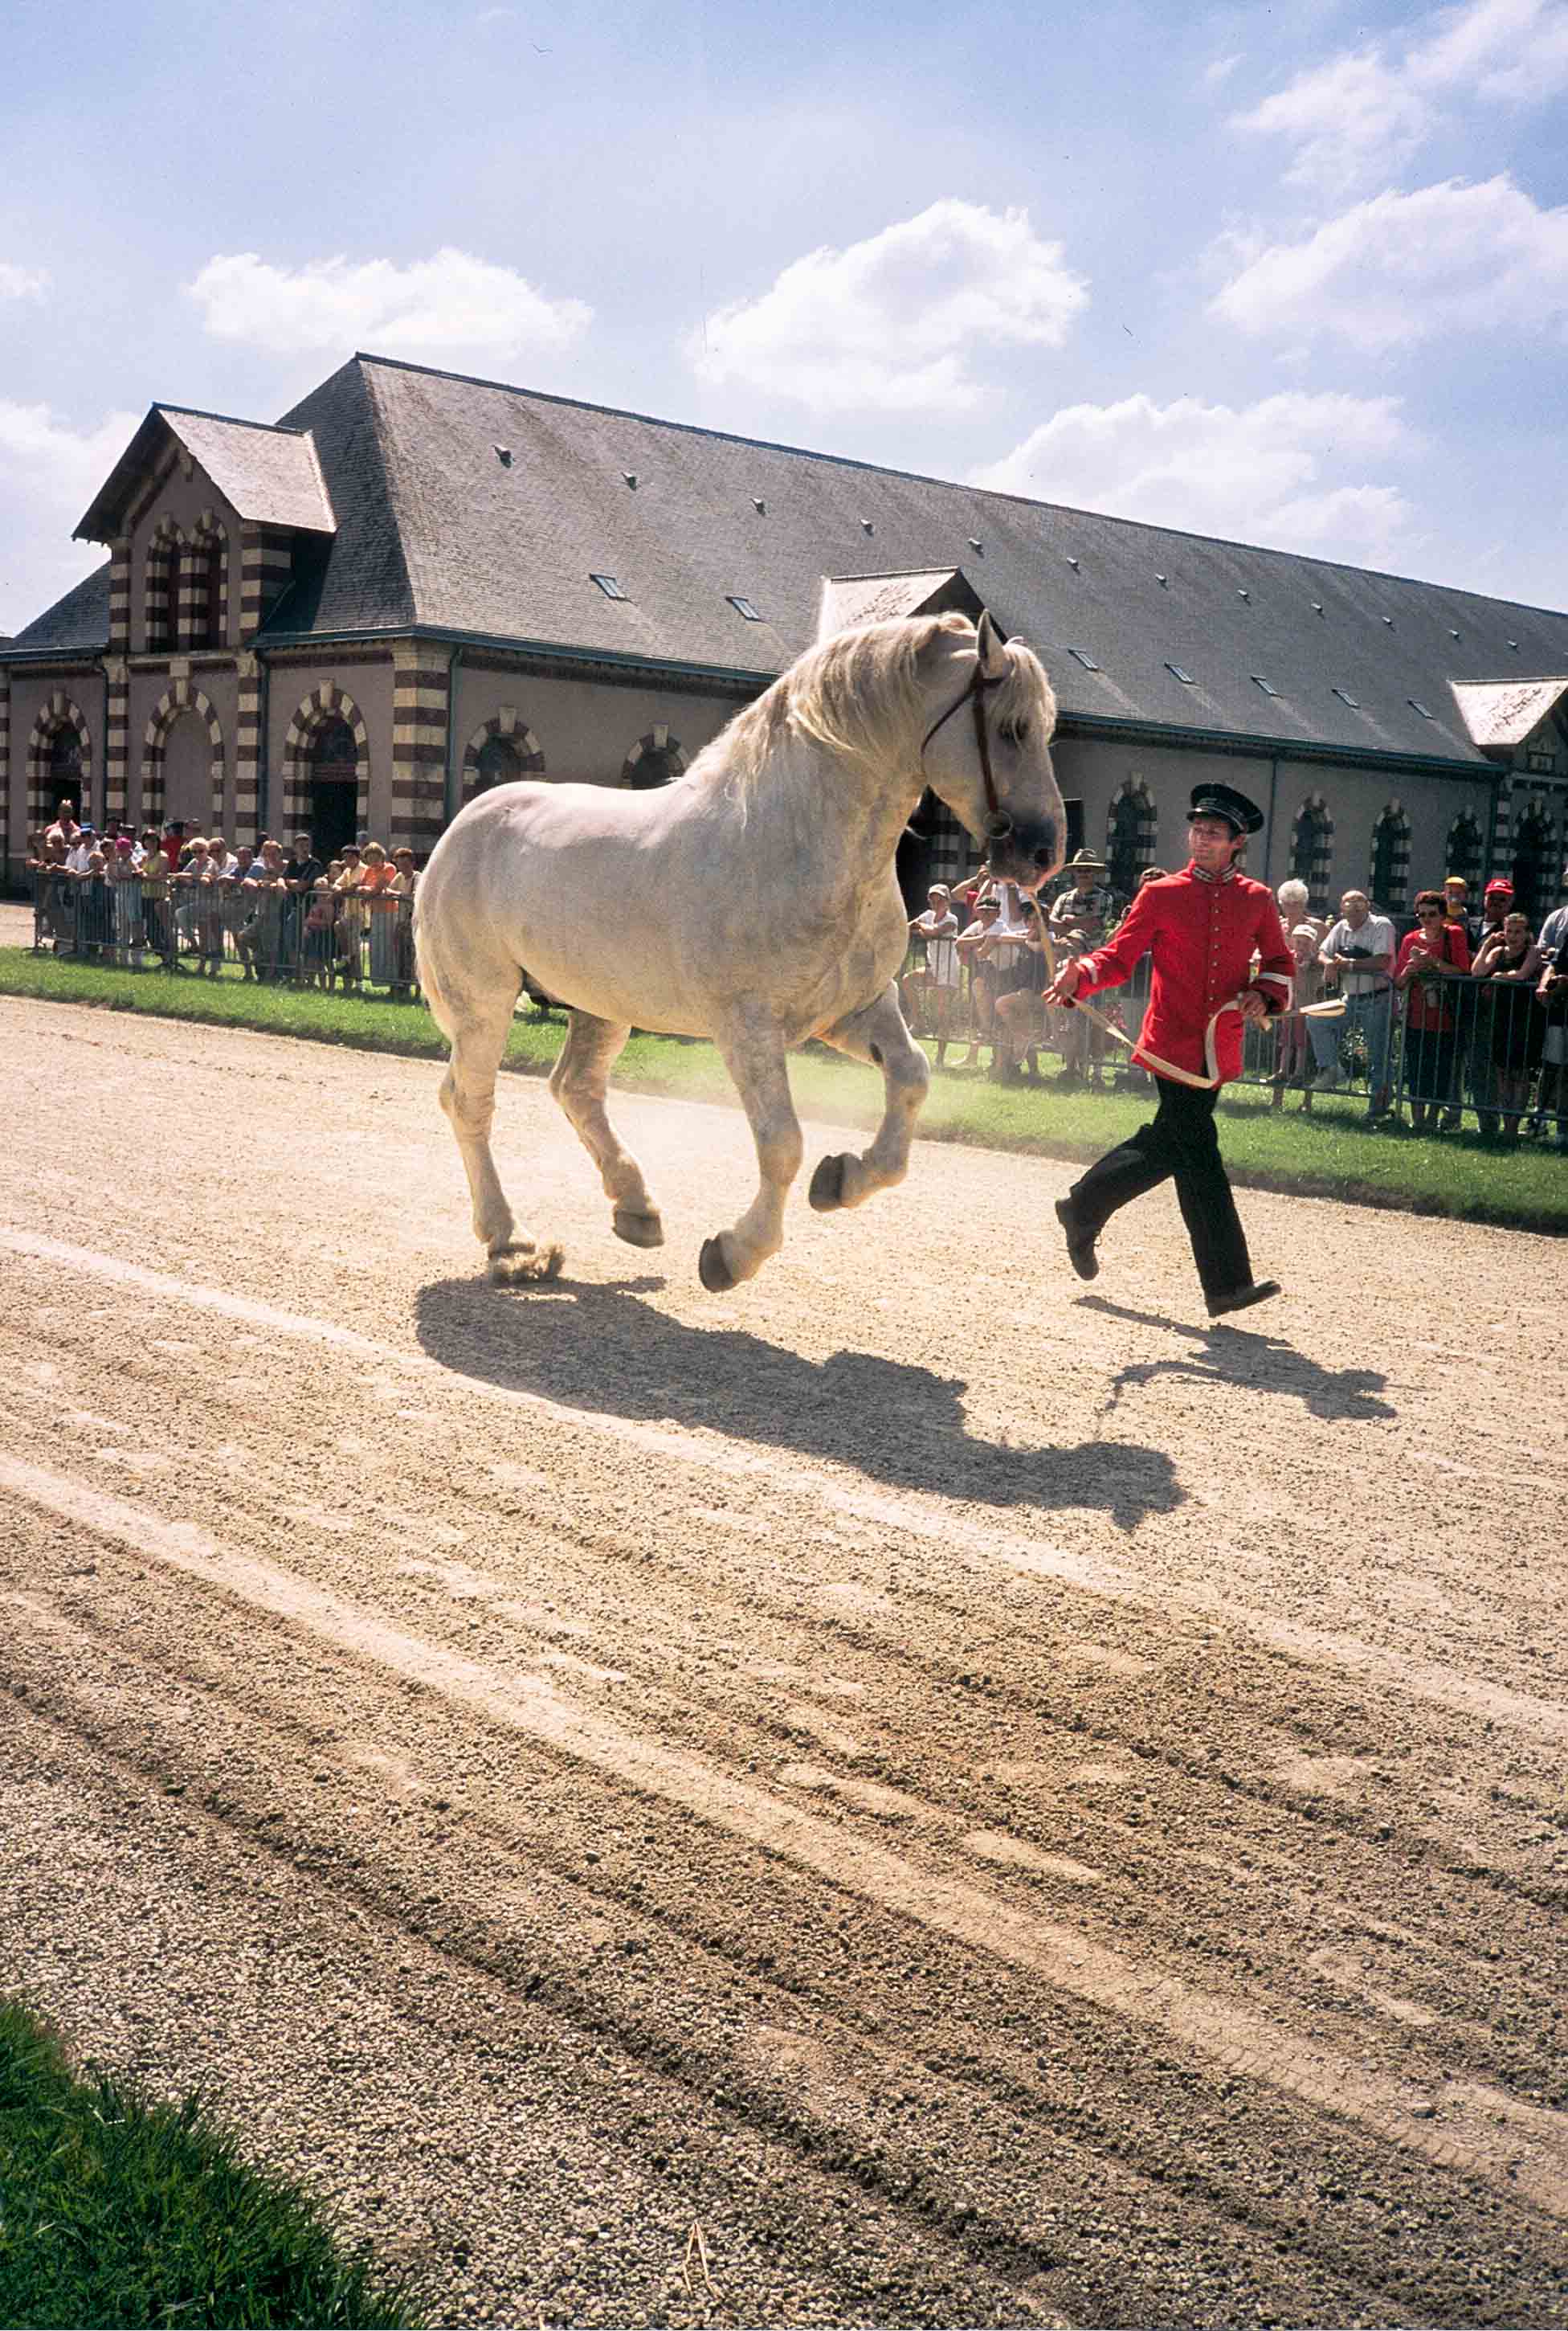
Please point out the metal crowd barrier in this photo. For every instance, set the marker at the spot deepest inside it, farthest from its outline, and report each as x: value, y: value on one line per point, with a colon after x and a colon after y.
x: 1486, y: 1068
x: 359, y: 942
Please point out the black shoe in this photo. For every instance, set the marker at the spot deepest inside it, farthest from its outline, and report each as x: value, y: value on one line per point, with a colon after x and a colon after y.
x: 1241, y: 1298
x: 1080, y: 1251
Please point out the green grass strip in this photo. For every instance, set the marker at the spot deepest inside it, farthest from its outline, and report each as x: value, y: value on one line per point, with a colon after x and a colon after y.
x: 1329, y: 1154
x: 117, y: 2211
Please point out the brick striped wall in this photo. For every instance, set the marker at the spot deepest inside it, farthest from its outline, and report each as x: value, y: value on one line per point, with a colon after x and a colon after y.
x: 117, y: 742
x: 201, y: 602
x: 120, y: 593
x: 266, y: 567
x: 419, y: 724
x: 179, y: 697
x: 248, y: 751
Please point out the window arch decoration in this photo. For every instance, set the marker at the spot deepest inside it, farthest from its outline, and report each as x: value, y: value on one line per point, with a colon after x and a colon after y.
x: 160, y: 588
x: 327, y: 702
x: 1388, y: 871
x: 1131, y: 826
x: 177, y: 697
x: 1312, y: 850
x: 1463, y: 853
x: 62, y: 715
x: 1535, y: 866
x: 507, y: 727
x: 655, y: 759
x: 203, y: 594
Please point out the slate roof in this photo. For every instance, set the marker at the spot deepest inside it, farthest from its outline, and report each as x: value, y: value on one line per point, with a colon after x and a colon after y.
x: 434, y: 528
x: 267, y: 474
x: 80, y: 620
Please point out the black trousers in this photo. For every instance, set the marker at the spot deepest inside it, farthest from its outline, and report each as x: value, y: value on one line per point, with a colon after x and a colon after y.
x: 1180, y: 1140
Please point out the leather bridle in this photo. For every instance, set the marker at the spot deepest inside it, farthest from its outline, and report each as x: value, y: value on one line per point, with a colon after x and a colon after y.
x: 998, y: 824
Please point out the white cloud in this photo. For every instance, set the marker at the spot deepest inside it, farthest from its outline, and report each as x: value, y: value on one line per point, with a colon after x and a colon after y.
x: 1361, y: 115
x: 22, y: 282
x: 48, y: 473
x: 1270, y: 473
x: 1401, y: 267
x: 431, y: 308
x: 896, y: 324
x: 1349, y: 116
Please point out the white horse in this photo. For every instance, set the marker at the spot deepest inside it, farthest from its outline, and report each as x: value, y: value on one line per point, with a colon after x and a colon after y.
x: 754, y: 901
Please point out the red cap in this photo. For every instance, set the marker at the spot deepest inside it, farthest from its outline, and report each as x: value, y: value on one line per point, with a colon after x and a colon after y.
x: 1500, y: 887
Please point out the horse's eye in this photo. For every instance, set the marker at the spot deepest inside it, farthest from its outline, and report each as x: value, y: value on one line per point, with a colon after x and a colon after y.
x: 1013, y: 732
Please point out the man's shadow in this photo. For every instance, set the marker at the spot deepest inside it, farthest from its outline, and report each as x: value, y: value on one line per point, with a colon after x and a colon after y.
x: 1263, y: 1363
x: 601, y: 1350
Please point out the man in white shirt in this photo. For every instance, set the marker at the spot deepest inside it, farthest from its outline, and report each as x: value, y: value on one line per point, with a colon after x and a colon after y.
x: 1359, y: 953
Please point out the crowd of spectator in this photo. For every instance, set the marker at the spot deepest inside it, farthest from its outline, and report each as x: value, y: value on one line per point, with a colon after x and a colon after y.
x: 1478, y: 1002
x: 160, y: 894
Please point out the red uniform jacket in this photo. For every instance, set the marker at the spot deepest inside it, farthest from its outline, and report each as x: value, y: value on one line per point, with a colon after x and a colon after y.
x: 1202, y: 931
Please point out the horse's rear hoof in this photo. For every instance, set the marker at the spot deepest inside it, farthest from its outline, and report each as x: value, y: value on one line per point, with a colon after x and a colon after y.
x: 638, y: 1230
x: 712, y: 1269
x: 525, y: 1264
x: 827, y: 1190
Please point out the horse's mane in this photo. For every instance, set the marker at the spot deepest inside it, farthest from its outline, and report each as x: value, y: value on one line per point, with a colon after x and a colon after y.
x: 859, y: 696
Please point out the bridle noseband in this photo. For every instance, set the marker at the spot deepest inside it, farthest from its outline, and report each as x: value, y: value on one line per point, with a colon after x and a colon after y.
x: 998, y: 825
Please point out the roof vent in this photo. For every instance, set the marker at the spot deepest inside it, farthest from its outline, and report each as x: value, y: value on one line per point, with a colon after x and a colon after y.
x: 1243, y: 593
x: 1084, y: 658
x: 1185, y: 677
x: 1346, y: 697
x: 1512, y: 643
x: 1073, y: 564
x: 1452, y: 633
x: 1317, y: 606
x: 1417, y: 706
x: 867, y: 525
x: 630, y: 478
x: 1162, y: 581
x: 504, y: 456
x: 1388, y: 621
x: 975, y: 543
x: 758, y: 505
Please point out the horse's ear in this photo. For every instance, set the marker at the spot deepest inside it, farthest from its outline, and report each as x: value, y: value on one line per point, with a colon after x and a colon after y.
x: 989, y: 648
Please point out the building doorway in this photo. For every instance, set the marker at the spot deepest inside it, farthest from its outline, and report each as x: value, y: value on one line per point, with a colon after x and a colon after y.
x: 334, y: 790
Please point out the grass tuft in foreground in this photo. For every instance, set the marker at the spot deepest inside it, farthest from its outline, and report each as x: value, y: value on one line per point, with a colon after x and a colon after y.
x: 1330, y: 1154
x: 117, y: 2211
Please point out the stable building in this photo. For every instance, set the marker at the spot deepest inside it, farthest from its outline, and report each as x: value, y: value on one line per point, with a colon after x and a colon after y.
x: 416, y: 584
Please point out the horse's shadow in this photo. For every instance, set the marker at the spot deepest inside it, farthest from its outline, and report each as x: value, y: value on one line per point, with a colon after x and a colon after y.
x: 1262, y: 1362
x: 601, y: 1349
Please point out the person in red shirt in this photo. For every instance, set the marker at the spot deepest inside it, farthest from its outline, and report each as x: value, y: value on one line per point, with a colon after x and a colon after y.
x: 1436, y: 951
x: 1202, y: 928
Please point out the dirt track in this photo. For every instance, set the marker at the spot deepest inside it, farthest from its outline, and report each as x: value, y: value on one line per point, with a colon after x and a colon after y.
x: 996, y: 1802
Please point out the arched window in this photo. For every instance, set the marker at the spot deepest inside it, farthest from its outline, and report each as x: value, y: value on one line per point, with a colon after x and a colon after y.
x: 1464, y: 849
x: 1388, y: 874
x: 1130, y: 836
x: 1312, y: 851
x: 654, y: 760
x: 1536, y: 869
x: 65, y: 779
x: 205, y: 594
x: 497, y: 763
x: 334, y: 787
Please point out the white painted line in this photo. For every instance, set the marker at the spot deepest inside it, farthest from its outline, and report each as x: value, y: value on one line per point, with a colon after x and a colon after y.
x: 1518, y: 2147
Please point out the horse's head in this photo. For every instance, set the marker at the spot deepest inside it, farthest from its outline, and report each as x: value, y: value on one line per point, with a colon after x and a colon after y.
x: 987, y: 750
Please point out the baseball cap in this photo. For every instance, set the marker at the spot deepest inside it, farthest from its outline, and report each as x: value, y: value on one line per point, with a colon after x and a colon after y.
x: 1500, y: 887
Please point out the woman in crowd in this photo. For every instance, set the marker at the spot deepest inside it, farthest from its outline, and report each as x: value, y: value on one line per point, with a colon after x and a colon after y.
x: 350, y: 917
x: 405, y: 882
x: 1431, y: 958
x: 1510, y: 962
x: 377, y: 876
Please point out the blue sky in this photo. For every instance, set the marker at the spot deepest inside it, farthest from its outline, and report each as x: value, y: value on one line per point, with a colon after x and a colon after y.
x: 1295, y: 274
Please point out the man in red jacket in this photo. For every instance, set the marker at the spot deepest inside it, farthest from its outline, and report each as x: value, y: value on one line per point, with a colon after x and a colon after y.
x: 1202, y: 928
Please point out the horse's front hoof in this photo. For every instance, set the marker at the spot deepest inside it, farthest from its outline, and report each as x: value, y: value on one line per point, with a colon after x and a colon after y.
x: 827, y: 1191
x: 525, y: 1264
x: 712, y: 1269
x: 638, y: 1230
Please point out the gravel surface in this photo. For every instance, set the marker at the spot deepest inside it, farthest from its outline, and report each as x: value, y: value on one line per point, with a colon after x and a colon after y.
x: 917, y: 1793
